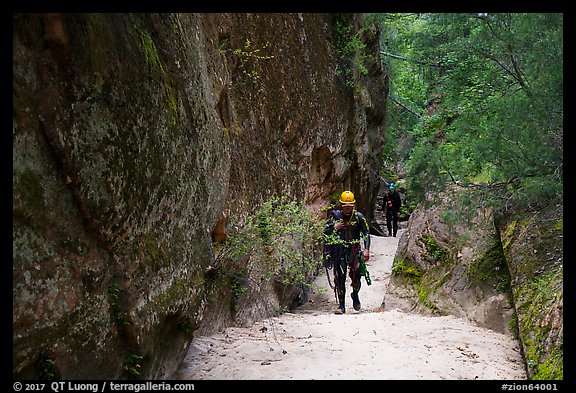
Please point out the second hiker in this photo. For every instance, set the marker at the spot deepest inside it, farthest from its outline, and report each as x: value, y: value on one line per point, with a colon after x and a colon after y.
x: 391, y: 205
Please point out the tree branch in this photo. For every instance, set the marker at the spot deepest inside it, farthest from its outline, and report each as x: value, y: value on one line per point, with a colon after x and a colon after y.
x: 515, y: 71
x: 397, y: 57
x: 404, y: 106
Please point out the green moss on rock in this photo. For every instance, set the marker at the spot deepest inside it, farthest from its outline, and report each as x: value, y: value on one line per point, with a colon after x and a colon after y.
x: 491, y: 267
x: 411, y: 273
x: 438, y: 253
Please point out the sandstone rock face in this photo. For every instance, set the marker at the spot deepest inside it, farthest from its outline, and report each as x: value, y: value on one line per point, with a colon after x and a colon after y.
x: 135, y: 137
x: 533, y: 244
x: 503, y: 272
x: 449, y: 264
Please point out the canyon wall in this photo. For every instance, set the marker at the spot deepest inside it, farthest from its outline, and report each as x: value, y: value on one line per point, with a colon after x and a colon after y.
x: 135, y: 138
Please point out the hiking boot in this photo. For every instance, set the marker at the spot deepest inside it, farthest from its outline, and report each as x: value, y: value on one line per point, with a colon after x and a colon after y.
x: 340, y: 310
x: 355, y: 301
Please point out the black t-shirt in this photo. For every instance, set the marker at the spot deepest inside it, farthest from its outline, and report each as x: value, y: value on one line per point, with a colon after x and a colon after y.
x: 394, y: 198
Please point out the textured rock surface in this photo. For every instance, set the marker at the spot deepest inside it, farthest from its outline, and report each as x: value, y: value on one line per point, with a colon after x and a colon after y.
x: 533, y: 244
x: 505, y: 274
x: 446, y: 267
x: 135, y: 136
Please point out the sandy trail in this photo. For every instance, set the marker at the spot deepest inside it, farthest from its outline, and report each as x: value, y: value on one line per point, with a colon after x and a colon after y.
x: 313, y: 343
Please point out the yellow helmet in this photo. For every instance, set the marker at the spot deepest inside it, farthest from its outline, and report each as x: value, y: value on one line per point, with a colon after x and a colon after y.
x: 347, y: 198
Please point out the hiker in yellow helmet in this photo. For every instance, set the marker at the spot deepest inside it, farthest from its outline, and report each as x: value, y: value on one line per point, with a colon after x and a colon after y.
x: 351, y: 228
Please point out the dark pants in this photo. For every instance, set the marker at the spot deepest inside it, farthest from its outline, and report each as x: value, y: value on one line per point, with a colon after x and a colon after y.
x: 350, y: 260
x: 392, y: 221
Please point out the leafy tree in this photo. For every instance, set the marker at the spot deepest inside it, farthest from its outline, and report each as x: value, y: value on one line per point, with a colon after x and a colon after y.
x: 408, y: 90
x: 494, y: 116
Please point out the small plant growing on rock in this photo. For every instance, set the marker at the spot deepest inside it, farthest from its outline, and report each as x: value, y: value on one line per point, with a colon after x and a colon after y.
x: 249, y: 56
x: 281, y: 240
x: 276, y: 248
x: 132, y: 364
x: 47, y: 370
